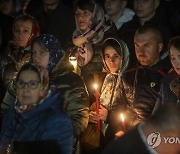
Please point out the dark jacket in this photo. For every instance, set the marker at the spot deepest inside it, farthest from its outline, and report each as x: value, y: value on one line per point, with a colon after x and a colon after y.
x: 11, y: 62
x: 45, y: 122
x: 166, y: 96
x: 143, y: 86
x: 128, y: 30
x: 72, y: 88
x: 130, y: 143
x: 59, y: 22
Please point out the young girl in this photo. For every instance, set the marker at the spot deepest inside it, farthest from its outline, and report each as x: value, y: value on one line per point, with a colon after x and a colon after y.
x: 113, y: 100
x: 34, y: 114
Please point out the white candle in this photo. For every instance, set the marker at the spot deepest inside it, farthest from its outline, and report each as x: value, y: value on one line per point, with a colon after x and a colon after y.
x: 73, y: 61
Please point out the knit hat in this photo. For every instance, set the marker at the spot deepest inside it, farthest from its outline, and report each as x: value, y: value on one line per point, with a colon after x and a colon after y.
x: 54, y: 48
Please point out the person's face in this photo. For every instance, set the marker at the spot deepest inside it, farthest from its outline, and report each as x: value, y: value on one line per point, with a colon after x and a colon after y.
x: 175, y: 59
x: 51, y: 2
x: 112, y: 59
x: 40, y: 55
x: 145, y: 9
x: 25, y: 94
x: 147, y: 48
x: 22, y: 32
x: 83, y: 19
x: 113, y: 7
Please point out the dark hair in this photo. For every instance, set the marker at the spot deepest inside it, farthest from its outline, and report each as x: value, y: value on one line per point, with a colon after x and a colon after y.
x: 151, y: 28
x: 112, y: 43
x: 42, y: 73
x: 175, y: 42
x: 85, y: 5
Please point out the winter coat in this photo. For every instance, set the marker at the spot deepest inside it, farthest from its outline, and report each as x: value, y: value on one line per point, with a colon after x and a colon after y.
x: 128, y: 30
x: 73, y: 90
x: 143, y: 85
x: 166, y: 96
x: 12, y: 61
x: 46, y: 122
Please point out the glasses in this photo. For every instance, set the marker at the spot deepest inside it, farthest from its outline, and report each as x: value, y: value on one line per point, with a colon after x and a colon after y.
x: 32, y: 84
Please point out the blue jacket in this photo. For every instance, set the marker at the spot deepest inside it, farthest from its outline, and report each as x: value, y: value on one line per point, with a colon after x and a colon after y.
x: 43, y: 123
x: 166, y: 96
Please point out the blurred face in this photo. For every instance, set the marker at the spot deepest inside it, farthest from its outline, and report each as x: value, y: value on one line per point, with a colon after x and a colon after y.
x: 40, y: 55
x: 51, y: 2
x: 112, y: 59
x: 83, y: 19
x: 175, y: 59
x: 145, y: 9
x: 113, y: 7
x: 147, y: 48
x: 22, y: 32
x: 30, y: 92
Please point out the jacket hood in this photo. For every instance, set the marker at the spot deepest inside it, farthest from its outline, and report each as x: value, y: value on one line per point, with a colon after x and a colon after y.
x: 124, y: 52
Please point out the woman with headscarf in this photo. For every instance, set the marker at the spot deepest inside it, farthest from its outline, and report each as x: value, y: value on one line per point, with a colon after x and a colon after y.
x: 113, y: 99
x: 18, y: 51
x: 36, y: 123
x: 91, y: 29
x: 47, y: 53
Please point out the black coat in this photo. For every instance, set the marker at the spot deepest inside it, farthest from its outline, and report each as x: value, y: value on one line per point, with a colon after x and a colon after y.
x: 143, y: 85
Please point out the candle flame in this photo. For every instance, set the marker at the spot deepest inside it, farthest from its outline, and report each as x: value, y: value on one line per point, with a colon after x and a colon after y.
x: 122, y: 117
x: 73, y: 60
x: 95, y: 86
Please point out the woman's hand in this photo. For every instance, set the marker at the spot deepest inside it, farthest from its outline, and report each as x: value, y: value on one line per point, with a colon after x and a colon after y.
x: 79, y: 41
x: 119, y: 134
x: 103, y: 112
x: 93, y: 117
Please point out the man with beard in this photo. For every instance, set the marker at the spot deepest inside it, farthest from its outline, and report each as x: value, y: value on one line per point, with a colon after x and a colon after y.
x: 144, y: 80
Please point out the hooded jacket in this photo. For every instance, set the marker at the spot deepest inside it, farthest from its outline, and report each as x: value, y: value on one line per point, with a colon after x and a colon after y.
x: 113, y: 95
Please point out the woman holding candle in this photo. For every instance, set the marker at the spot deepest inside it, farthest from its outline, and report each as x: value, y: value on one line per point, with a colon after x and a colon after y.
x: 113, y: 100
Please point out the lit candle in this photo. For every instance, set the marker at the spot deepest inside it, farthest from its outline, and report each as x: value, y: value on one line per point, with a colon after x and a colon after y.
x: 97, y: 95
x: 73, y: 61
x: 123, y: 122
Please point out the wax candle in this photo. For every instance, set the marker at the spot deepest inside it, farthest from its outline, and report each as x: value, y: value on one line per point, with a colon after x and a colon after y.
x: 123, y: 122
x: 97, y: 95
x: 73, y: 61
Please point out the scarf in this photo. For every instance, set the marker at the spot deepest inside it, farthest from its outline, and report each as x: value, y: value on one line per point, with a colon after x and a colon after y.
x: 93, y: 34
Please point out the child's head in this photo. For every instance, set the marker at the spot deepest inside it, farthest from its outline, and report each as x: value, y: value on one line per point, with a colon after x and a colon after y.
x: 174, y: 52
x: 31, y: 84
x: 115, y: 55
x: 46, y: 51
x: 25, y: 28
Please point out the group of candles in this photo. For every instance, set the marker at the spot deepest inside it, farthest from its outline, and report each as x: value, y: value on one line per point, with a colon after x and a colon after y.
x: 73, y: 61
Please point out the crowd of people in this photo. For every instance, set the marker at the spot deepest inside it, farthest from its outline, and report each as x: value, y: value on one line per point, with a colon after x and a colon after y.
x: 130, y: 47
